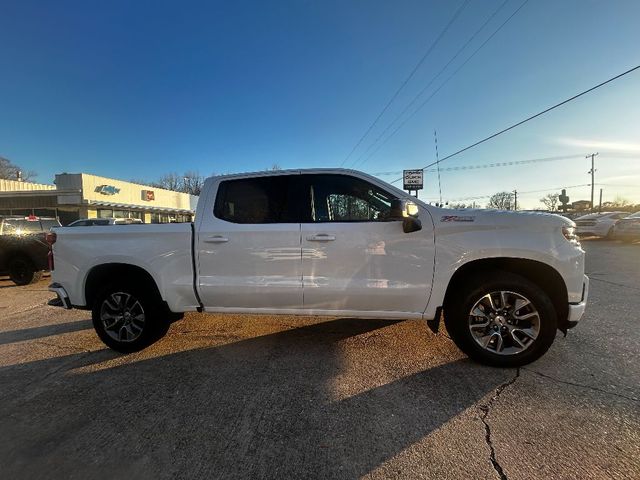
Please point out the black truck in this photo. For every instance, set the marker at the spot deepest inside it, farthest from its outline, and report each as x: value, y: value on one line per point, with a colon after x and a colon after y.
x: 24, y: 251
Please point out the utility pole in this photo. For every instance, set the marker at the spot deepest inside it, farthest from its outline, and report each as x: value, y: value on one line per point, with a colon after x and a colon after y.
x: 592, y: 172
x: 435, y: 139
x: 600, y: 204
x: 515, y: 199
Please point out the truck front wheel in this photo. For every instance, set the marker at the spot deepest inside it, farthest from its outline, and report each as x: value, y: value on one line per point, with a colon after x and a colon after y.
x: 501, y: 319
x: 128, y: 318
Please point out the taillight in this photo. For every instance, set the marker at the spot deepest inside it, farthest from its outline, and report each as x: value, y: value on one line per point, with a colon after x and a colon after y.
x: 51, y: 238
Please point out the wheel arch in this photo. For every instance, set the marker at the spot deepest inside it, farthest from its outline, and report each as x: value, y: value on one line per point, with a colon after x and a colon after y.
x: 100, y: 275
x: 543, y: 275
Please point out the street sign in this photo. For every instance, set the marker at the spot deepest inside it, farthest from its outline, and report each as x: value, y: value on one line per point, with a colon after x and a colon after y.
x: 412, y: 179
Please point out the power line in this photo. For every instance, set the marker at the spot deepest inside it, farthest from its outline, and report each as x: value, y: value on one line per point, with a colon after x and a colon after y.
x: 531, y: 117
x: 409, y: 77
x: 433, y: 79
x: 480, y: 197
x: 490, y: 165
x: 455, y: 72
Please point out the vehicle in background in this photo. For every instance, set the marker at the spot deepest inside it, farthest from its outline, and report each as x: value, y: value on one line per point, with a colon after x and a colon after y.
x: 598, y: 224
x: 89, y: 222
x: 628, y: 228
x: 331, y: 242
x: 24, y: 251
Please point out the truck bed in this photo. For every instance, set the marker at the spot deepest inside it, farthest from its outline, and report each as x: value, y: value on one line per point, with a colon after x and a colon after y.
x: 163, y: 250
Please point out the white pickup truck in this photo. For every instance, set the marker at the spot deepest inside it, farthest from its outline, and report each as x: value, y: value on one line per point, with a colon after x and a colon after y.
x: 331, y: 242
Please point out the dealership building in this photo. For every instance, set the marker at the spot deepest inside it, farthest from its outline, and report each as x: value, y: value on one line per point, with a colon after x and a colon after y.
x: 80, y: 195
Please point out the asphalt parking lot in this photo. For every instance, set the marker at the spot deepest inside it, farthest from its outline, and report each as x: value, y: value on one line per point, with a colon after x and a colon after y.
x: 282, y: 397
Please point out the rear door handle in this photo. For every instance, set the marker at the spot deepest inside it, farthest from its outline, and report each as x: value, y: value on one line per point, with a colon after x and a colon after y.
x: 321, y: 237
x: 216, y: 239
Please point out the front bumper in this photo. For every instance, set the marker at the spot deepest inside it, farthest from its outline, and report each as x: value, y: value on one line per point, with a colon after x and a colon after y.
x: 576, y: 310
x: 61, y: 293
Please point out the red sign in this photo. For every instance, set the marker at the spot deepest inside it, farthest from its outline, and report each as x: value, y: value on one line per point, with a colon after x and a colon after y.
x: 148, y: 195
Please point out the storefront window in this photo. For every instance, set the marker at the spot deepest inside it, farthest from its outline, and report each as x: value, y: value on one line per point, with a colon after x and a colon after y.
x: 139, y: 215
x: 105, y: 213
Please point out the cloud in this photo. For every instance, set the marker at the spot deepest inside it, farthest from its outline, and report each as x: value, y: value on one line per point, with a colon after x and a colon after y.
x: 594, y: 144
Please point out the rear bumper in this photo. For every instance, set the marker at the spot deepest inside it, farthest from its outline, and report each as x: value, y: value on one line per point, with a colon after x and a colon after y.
x: 576, y: 310
x: 62, y: 294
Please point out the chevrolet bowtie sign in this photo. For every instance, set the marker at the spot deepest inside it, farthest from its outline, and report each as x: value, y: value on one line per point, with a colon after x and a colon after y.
x: 412, y: 179
x: 107, y: 189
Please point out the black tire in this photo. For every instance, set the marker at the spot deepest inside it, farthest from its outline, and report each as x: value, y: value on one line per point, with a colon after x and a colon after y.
x: 22, y: 271
x: 128, y: 333
x: 459, y: 324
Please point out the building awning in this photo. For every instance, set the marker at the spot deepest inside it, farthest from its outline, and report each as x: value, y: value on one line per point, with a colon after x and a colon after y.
x: 141, y: 207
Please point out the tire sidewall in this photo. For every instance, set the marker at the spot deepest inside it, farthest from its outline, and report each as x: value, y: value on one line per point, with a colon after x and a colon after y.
x: 155, y: 325
x: 22, y: 266
x: 457, y: 318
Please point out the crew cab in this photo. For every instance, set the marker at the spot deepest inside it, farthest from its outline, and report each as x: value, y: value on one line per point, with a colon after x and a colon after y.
x: 331, y: 242
x: 24, y: 251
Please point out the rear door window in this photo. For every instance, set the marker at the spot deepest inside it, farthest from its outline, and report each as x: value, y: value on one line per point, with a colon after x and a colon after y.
x: 259, y: 200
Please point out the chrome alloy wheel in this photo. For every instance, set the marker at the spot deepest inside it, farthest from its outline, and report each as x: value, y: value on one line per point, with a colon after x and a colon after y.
x: 504, y: 322
x: 122, y: 316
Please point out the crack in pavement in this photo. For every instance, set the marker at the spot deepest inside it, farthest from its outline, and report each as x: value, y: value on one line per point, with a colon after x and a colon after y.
x: 588, y: 387
x: 595, y: 279
x: 487, y: 429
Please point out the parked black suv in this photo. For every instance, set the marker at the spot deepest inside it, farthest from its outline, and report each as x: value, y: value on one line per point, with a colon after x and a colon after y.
x: 23, y: 247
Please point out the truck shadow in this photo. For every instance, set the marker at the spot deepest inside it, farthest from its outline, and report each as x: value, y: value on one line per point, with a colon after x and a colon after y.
x: 261, y: 407
x: 45, y: 331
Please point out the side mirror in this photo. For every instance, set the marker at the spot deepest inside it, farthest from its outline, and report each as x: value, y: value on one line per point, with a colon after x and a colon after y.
x: 411, y: 224
x: 401, y: 209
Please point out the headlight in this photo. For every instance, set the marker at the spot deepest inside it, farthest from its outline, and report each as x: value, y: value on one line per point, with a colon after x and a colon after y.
x: 570, y: 234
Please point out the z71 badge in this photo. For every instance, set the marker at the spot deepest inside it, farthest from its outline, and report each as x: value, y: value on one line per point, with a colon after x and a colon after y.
x: 458, y: 218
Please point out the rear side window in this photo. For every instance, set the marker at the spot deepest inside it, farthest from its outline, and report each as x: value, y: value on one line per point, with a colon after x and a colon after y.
x: 257, y: 200
x: 47, y: 224
x: 20, y: 226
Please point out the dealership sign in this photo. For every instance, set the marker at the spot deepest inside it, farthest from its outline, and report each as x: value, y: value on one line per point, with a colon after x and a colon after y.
x: 412, y: 179
x: 107, y: 189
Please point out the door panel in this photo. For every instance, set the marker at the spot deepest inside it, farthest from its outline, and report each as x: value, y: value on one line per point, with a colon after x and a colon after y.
x: 364, y: 262
x: 368, y: 267
x: 249, y: 252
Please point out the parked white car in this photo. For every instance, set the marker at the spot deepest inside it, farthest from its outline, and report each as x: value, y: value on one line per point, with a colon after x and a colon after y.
x: 598, y: 224
x: 628, y: 228
x: 331, y: 242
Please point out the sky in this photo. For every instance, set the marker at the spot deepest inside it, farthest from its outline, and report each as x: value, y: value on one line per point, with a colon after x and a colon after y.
x: 133, y: 90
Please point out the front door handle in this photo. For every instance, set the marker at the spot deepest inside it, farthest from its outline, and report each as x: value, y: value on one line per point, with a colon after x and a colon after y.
x: 216, y: 239
x: 321, y: 237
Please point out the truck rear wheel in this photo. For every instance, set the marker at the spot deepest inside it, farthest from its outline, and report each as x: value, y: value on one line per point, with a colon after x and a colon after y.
x: 501, y: 319
x: 128, y: 318
x: 22, y: 271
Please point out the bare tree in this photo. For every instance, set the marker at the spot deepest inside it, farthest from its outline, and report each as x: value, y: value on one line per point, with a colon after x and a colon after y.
x: 550, y: 201
x: 192, y: 183
x: 11, y: 171
x: 620, y: 202
x: 459, y: 206
x: 275, y: 167
x: 501, y: 201
x: 169, y: 181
